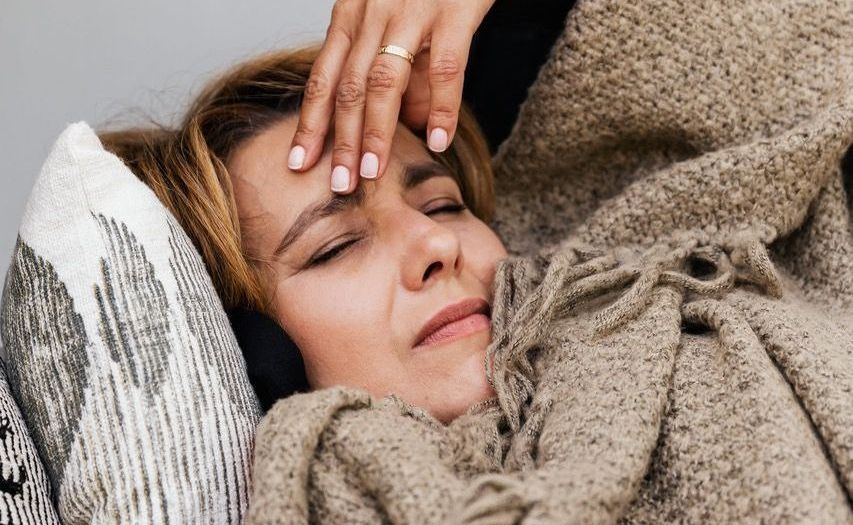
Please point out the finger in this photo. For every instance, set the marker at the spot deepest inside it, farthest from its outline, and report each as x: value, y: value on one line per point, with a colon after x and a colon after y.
x: 318, y: 99
x: 350, y: 99
x: 386, y: 83
x: 414, y: 106
x: 450, y: 46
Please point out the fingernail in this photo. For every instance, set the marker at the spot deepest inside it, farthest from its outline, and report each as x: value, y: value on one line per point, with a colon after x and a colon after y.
x: 369, y: 165
x: 296, y: 157
x: 437, y: 139
x: 340, y: 178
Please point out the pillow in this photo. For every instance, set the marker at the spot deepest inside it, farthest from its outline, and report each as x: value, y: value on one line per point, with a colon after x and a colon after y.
x: 24, y: 489
x: 119, y: 352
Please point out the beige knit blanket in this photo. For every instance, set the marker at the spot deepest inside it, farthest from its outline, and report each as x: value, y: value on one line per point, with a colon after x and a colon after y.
x: 673, y: 331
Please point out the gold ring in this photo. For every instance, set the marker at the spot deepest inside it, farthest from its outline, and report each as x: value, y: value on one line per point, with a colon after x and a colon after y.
x: 397, y: 50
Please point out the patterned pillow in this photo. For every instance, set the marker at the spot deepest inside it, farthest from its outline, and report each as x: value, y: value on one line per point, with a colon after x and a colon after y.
x: 24, y: 489
x: 119, y: 353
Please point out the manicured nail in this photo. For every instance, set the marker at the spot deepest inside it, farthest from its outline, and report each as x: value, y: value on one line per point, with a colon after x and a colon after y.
x: 340, y: 178
x: 437, y: 139
x: 296, y: 157
x: 369, y: 165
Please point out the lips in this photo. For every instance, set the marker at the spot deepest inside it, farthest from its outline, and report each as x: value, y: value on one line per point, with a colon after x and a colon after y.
x: 454, y: 320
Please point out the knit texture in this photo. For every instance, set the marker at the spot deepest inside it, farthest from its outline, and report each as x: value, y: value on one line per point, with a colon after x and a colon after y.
x: 671, y: 333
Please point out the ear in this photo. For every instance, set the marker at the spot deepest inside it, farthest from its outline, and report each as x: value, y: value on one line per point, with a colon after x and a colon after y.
x: 273, y: 361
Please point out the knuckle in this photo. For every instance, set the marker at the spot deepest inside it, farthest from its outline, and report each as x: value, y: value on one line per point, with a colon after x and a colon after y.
x: 445, y: 68
x: 375, y: 135
x: 350, y: 93
x: 317, y: 88
x: 443, y: 112
x: 381, y: 78
x: 343, y: 149
x: 305, y: 129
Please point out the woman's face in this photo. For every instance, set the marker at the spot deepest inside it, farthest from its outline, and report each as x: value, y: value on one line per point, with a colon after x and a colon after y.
x: 356, y: 287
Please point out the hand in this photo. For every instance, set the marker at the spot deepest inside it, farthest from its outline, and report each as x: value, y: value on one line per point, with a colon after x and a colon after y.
x: 366, y: 92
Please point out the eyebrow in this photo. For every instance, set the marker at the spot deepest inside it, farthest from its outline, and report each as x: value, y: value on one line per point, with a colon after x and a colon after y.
x: 413, y: 175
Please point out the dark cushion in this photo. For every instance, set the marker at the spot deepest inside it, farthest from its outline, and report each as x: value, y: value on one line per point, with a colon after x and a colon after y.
x: 507, y: 51
x: 273, y: 361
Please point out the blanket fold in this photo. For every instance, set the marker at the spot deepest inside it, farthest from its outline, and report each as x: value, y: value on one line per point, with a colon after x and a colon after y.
x: 671, y: 333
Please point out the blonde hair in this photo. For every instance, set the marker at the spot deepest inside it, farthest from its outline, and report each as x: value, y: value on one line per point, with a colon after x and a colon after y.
x: 185, y: 165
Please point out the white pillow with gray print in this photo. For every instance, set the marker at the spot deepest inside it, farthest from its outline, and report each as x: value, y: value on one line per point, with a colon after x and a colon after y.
x: 120, y: 354
x: 24, y: 488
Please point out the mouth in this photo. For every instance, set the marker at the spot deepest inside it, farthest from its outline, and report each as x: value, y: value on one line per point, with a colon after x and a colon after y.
x: 455, y: 321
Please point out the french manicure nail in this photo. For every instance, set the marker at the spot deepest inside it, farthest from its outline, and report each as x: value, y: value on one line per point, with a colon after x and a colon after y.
x: 437, y: 139
x: 369, y: 165
x: 340, y: 178
x: 296, y: 157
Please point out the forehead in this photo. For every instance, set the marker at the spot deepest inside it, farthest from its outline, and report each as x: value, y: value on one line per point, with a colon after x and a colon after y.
x: 269, y: 194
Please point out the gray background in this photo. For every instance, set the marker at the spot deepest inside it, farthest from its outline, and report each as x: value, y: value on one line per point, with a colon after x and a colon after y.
x: 119, y: 62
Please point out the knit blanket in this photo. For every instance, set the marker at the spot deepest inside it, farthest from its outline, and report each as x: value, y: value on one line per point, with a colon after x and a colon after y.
x: 672, y: 332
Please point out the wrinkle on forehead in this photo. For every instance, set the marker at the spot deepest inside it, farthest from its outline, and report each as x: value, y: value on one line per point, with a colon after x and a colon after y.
x: 263, y: 183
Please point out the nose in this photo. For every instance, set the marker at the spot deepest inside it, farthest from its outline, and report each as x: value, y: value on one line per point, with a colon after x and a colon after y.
x: 434, y: 253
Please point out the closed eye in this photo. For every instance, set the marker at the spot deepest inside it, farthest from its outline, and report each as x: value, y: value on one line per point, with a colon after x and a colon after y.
x: 337, y: 250
x: 331, y: 253
x: 450, y: 208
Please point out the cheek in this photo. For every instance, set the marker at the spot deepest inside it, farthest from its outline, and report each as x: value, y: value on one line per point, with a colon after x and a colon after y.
x: 335, y: 319
x: 483, y: 249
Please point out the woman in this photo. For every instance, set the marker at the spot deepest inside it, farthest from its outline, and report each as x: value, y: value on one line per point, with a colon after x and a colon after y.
x: 358, y: 284
x: 400, y: 251
x: 672, y: 372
